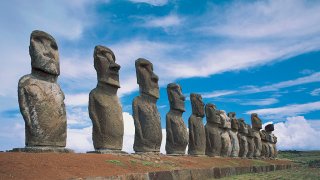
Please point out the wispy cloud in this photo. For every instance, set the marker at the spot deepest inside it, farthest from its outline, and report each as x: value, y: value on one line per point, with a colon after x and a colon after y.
x: 215, y: 94
x: 260, y: 102
x: 286, y: 111
x: 163, y: 22
x: 315, y: 92
x: 151, y: 2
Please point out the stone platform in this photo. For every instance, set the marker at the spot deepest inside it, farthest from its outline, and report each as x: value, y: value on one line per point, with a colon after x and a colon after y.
x: 42, y: 149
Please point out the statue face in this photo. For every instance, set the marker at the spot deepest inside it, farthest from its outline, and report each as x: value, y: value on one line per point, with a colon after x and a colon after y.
x: 242, y: 126
x: 197, y: 105
x: 176, y: 98
x: 234, y: 122
x: 106, y: 67
x: 263, y: 135
x: 147, y: 80
x: 225, y: 120
x: 44, y: 54
x: 256, y: 122
x: 212, y: 114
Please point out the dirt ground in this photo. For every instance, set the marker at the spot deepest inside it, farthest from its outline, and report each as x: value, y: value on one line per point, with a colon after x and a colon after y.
x: 73, y: 165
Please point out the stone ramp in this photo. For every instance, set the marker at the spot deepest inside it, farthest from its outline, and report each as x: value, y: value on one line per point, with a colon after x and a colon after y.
x: 194, y: 174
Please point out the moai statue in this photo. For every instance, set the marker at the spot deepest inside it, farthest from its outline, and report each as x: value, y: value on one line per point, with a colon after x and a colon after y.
x: 275, y: 140
x: 225, y: 126
x: 269, y: 128
x: 177, y: 133
x: 41, y: 99
x: 242, y: 136
x: 213, y: 132
x: 265, y: 147
x: 146, y: 117
x: 251, y: 144
x: 104, y: 106
x: 256, y: 126
x: 233, y: 133
x: 197, y: 137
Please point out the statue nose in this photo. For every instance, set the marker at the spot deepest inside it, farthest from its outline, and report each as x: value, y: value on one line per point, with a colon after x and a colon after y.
x: 154, y: 77
x: 49, y: 54
x: 115, y: 67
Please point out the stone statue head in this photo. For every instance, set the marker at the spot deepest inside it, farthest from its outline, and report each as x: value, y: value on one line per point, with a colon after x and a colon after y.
x: 175, y: 96
x: 147, y: 80
x: 250, y: 131
x: 44, y: 53
x: 242, y: 126
x: 106, y: 67
x: 225, y: 120
x: 212, y: 114
x: 256, y: 122
x: 197, y: 105
x: 234, y: 122
x: 269, y: 128
x: 275, y: 139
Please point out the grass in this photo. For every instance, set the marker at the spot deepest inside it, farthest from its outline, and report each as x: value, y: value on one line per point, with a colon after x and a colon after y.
x: 116, y: 162
x: 308, y: 167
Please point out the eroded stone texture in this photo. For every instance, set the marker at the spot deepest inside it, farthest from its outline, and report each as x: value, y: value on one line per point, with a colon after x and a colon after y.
x: 269, y: 128
x: 197, y: 137
x: 104, y: 106
x: 265, y: 147
x: 275, y: 140
x: 213, y: 132
x: 233, y: 133
x: 225, y: 126
x: 242, y: 136
x: 146, y: 117
x: 40, y: 96
x: 177, y: 134
x: 256, y: 126
x: 251, y: 144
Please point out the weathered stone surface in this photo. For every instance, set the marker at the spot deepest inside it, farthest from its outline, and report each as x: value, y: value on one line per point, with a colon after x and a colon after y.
x: 233, y: 133
x: 256, y: 126
x: 177, y: 133
x: 42, y: 149
x: 265, y: 147
x: 270, y: 138
x: 275, y: 140
x: 146, y: 117
x: 104, y: 106
x: 213, y: 132
x: 197, y: 137
x: 242, y: 136
x: 225, y: 126
x: 251, y: 144
x: 40, y: 96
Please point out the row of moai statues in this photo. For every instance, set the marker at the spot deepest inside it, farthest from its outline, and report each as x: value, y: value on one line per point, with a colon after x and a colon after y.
x: 41, y: 103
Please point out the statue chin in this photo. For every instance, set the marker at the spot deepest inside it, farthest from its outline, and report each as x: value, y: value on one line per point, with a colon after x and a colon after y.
x: 153, y: 92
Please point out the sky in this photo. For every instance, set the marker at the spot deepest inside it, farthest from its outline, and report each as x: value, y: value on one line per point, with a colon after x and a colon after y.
x: 244, y: 56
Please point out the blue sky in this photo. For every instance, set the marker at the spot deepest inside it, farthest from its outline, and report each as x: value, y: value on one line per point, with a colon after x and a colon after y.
x: 243, y: 56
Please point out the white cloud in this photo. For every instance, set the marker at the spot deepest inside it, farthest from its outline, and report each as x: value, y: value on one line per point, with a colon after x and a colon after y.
x: 296, y: 133
x: 315, y: 77
x: 80, y: 99
x: 315, y: 92
x: 265, y: 19
x: 217, y: 94
x: 163, y: 22
x: 151, y: 2
x: 260, y: 102
x: 287, y: 111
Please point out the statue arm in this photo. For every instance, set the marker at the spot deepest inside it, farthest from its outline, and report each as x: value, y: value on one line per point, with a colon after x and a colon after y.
x: 92, y: 113
x: 191, y: 133
x: 23, y: 104
x: 208, y: 140
x: 135, y: 115
x: 168, y: 129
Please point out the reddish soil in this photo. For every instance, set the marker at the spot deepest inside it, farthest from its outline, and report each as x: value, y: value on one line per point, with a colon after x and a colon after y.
x: 64, y: 166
